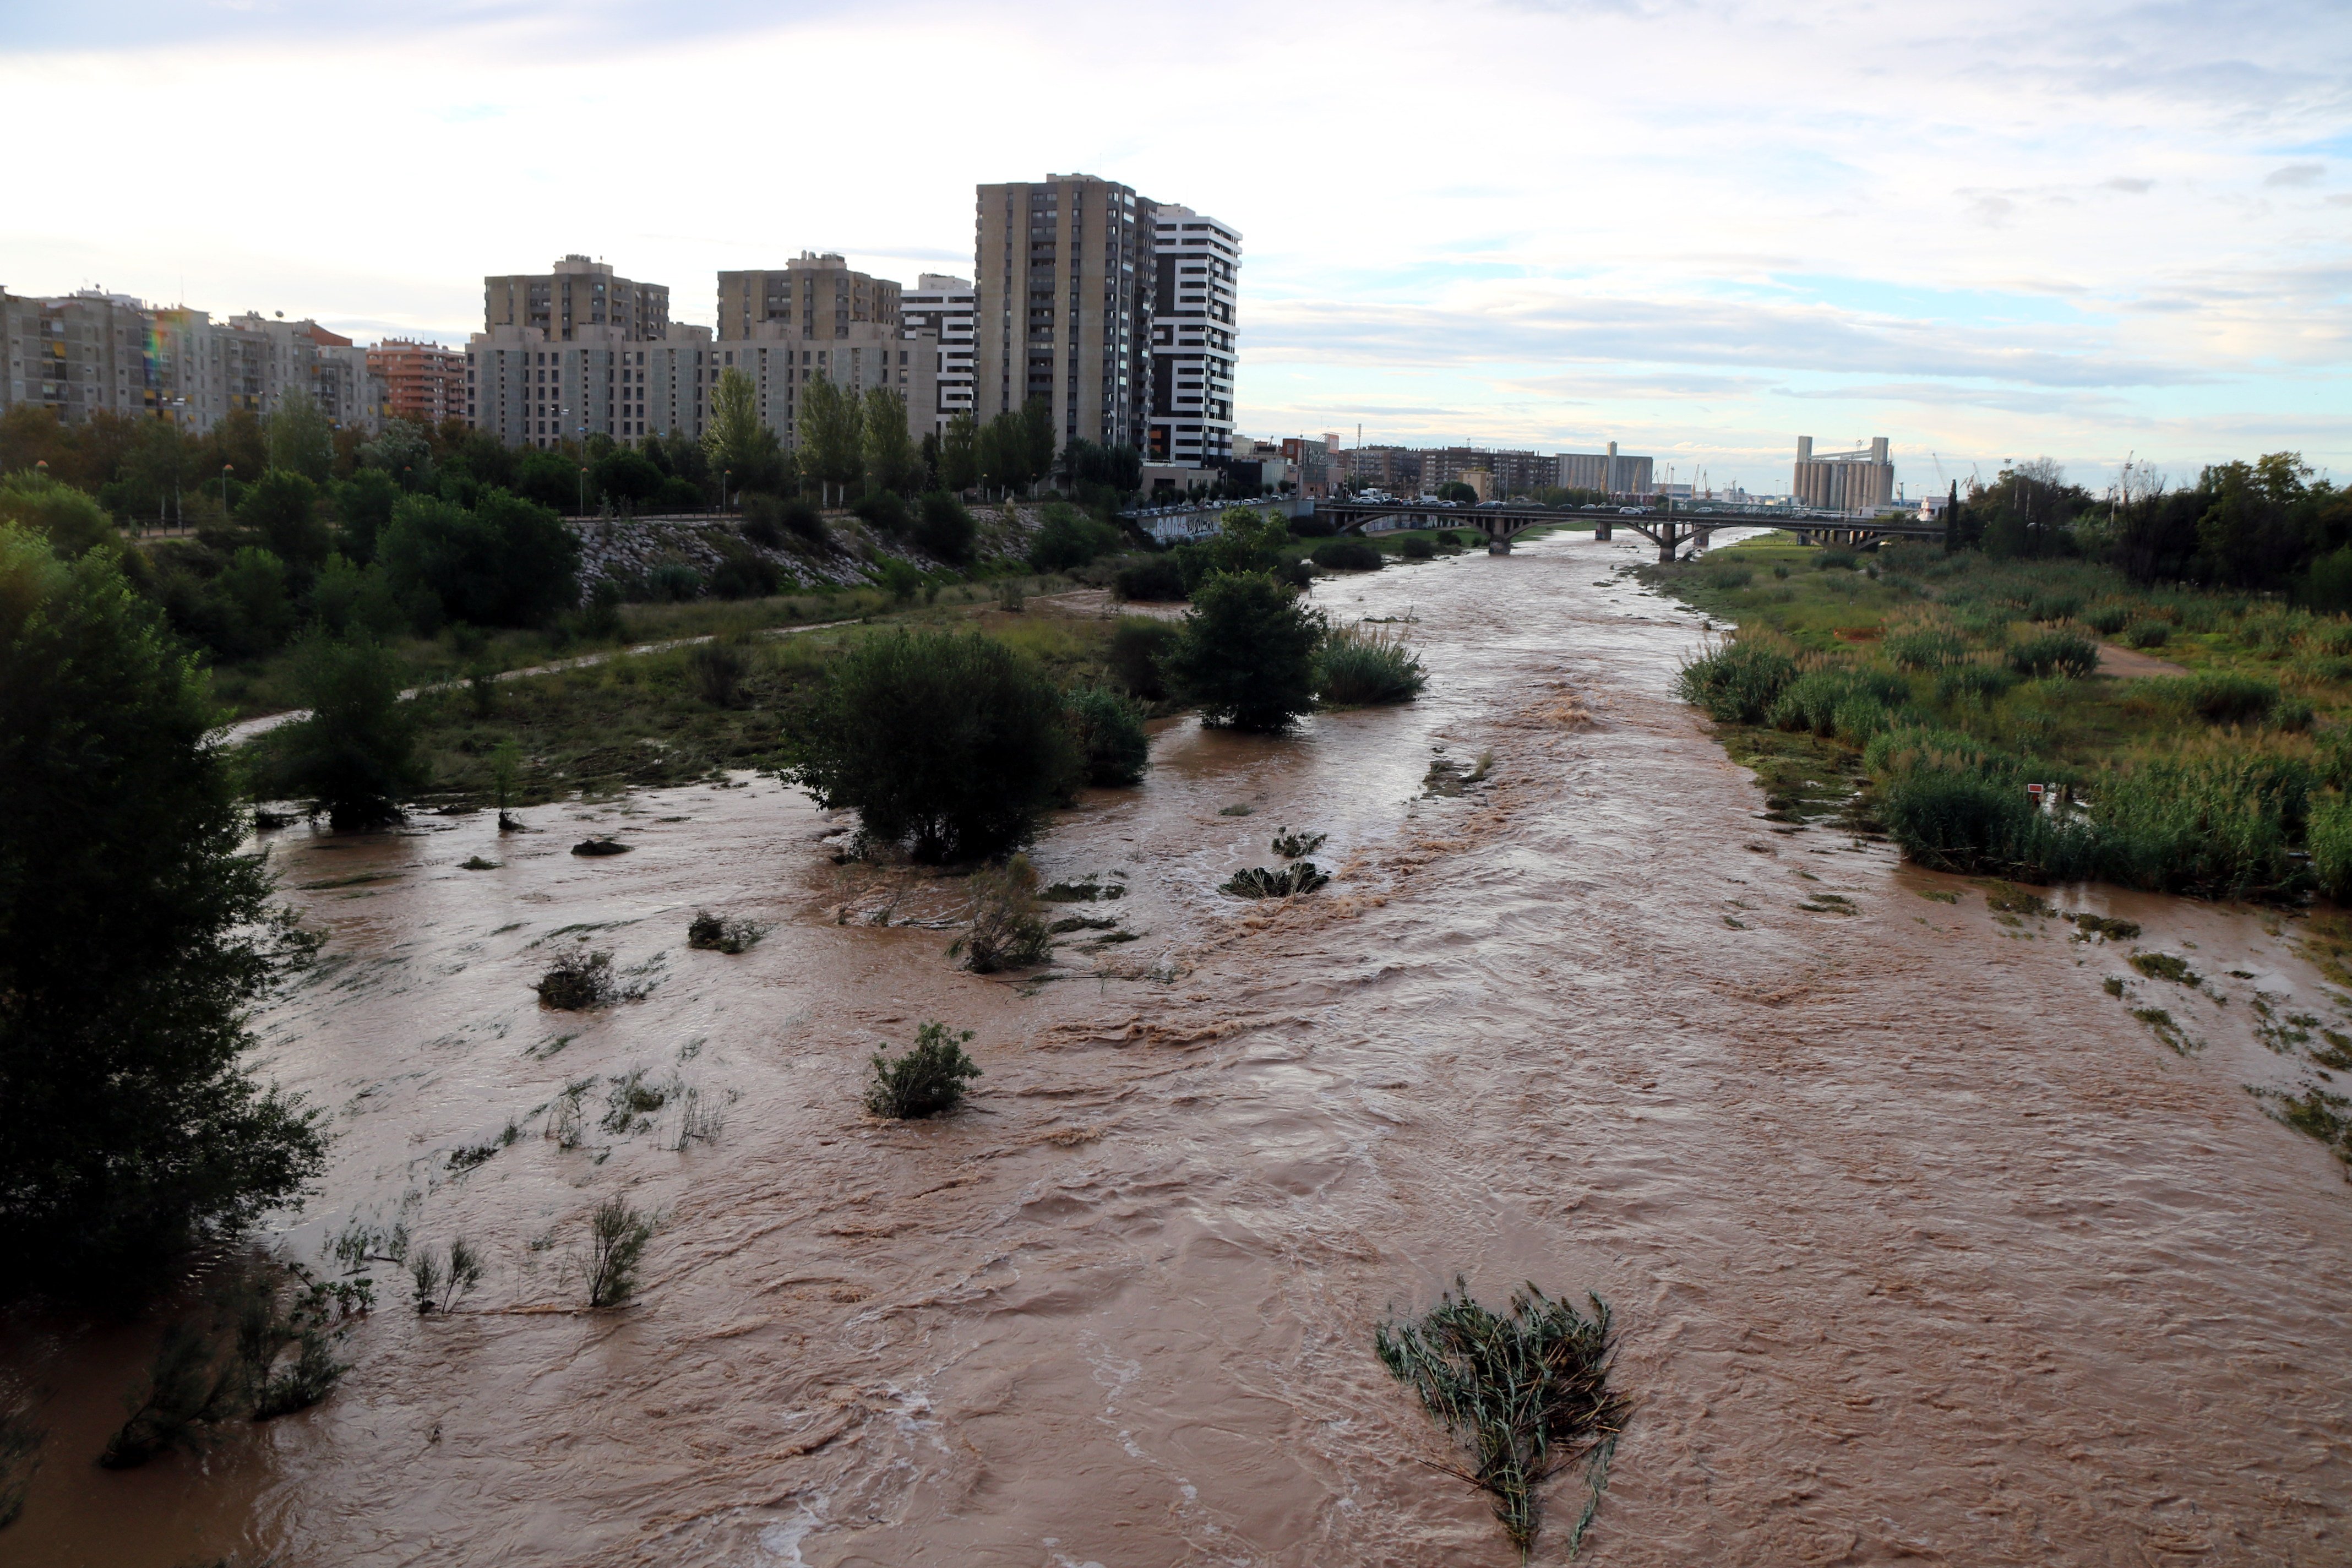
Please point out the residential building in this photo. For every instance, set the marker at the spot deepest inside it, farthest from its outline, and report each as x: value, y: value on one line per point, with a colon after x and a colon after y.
x: 819, y: 294
x: 1611, y: 472
x: 1844, y: 481
x: 1062, y: 283
x: 1196, y: 264
x: 530, y: 390
x: 577, y: 300
x: 945, y: 309
x: 78, y: 354
x: 1395, y: 470
x: 424, y: 383
x: 1318, y: 467
x: 781, y: 363
x: 1510, y: 473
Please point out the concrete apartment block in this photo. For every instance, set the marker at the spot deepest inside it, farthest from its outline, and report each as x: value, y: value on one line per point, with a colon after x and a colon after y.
x: 818, y: 293
x: 1062, y: 278
x: 577, y: 299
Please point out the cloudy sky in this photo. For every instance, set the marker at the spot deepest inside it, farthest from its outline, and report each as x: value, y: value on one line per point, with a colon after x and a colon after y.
x: 1992, y: 230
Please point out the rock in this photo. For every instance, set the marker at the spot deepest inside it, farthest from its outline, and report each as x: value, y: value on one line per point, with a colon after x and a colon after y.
x: 599, y: 847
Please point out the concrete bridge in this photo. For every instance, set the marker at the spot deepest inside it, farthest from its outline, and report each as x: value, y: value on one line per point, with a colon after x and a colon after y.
x: 1670, y: 527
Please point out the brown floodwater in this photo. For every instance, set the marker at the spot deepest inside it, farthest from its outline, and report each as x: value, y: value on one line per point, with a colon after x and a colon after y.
x: 1922, y: 1246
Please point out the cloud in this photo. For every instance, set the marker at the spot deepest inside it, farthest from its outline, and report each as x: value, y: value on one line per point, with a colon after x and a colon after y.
x: 2296, y: 174
x: 2128, y: 186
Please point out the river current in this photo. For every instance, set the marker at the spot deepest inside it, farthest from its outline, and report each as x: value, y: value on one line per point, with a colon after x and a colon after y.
x: 1922, y: 1248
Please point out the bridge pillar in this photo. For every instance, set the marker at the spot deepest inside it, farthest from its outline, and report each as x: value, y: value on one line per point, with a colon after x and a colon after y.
x: 1702, y: 535
x: 1498, y: 544
x: 1601, y: 531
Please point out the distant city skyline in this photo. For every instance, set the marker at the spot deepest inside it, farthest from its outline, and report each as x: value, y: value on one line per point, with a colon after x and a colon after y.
x: 2074, y: 230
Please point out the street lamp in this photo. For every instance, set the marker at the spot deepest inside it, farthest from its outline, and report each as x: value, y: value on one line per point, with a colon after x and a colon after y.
x: 724, y: 475
x: 583, y: 490
x: 225, y: 468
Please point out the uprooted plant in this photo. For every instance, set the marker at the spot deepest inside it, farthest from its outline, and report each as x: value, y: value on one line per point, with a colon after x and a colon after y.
x: 443, y: 1281
x: 926, y: 1080
x: 1007, y: 931
x: 1296, y: 845
x: 720, y: 933
x: 578, y: 980
x: 1526, y: 1393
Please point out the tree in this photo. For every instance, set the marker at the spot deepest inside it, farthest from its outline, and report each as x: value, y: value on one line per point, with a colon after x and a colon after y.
x: 133, y: 937
x: 739, y: 444
x: 364, y: 503
x: 959, y: 454
x: 1246, y: 652
x: 1037, y: 438
x: 832, y: 436
x: 891, y: 461
x: 1069, y: 537
x: 256, y: 612
x: 355, y: 755
x: 945, y: 531
x: 68, y: 519
x: 626, y: 476
x: 1003, y: 453
x: 298, y: 438
x: 402, y: 451
x: 506, y: 562
x: 283, y: 510
x: 954, y: 745
x: 1455, y: 490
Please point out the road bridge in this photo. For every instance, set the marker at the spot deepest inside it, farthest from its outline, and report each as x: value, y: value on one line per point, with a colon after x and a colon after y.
x: 1669, y: 528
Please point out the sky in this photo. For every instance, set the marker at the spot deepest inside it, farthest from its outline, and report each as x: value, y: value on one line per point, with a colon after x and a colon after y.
x: 2096, y: 232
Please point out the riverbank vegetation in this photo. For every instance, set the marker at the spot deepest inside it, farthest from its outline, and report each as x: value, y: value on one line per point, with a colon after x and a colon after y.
x: 1949, y: 683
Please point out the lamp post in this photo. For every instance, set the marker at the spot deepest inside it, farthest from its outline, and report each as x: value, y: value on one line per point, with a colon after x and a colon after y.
x: 724, y: 476
x: 583, y: 490
x: 225, y: 468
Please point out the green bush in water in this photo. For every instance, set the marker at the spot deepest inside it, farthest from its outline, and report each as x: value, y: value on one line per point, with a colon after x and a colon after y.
x: 2220, y: 823
x: 1360, y: 667
x: 1109, y: 727
x: 1956, y: 819
x: 1738, y: 684
x: 1416, y: 548
x: 2055, y: 653
x: 1137, y: 644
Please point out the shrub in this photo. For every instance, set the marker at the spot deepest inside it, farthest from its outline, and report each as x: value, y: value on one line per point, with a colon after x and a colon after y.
x: 505, y: 563
x: 1361, y: 665
x: 1417, y: 547
x: 673, y: 583
x: 1246, y: 653
x: 716, y: 672
x: 953, y: 744
x: 442, y: 1282
x: 708, y: 932
x: 744, y: 577
x: 1948, y: 818
x: 945, y: 531
x: 600, y: 620
x: 1109, y: 727
x: 2055, y: 653
x: 617, y: 1235
x: 1153, y: 578
x: 1836, y: 558
x: 2147, y: 633
x: 577, y: 980
x: 1976, y: 683
x: 1138, y: 643
x: 1926, y: 648
x: 1067, y: 537
x: 2219, y: 698
x: 2219, y: 822
x: 887, y: 511
x: 927, y: 1080
x: 2330, y: 841
x: 2053, y: 607
x: 1814, y: 698
x: 1274, y: 882
x: 1737, y: 684
x: 66, y: 518
x: 1007, y: 930
x: 1347, y: 556
x: 2108, y: 619
x: 1526, y: 1393
x: 355, y: 755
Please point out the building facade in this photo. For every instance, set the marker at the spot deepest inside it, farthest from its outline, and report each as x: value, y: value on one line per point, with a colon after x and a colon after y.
x: 946, y: 310
x: 819, y: 294
x: 1196, y: 271
x: 530, y: 390
x: 1611, y: 472
x: 1844, y: 481
x: 1062, y: 278
x: 781, y: 364
x: 424, y: 383
x: 574, y: 302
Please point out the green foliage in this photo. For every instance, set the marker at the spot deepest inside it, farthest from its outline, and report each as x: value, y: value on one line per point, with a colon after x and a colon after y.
x: 256, y: 606
x: 1067, y: 537
x: 347, y: 598
x: 364, y: 504
x: 708, y: 932
x: 578, y: 981
x: 1525, y: 1393
x: 1274, y: 882
x: 892, y: 462
x: 2216, y: 697
x: 1737, y: 684
x: 2146, y: 634
x: 504, y: 562
x: 629, y: 478
x: 1455, y: 490
x: 832, y: 434
x: 66, y: 516
x: 133, y: 937
x: 1926, y: 648
x: 745, y: 576
x: 1007, y: 930
x: 953, y: 745
x: 1108, y: 728
x: 1359, y: 665
x: 885, y: 509
x: 355, y: 755
x: 715, y: 670
x: 2217, y: 821
x: 1138, y: 644
x: 1954, y: 820
x: 443, y: 1280
x: 959, y: 454
x: 740, y: 447
x: 1417, y: 547
x: 617, y: 1235
x: 282, y: 511
x: 300, y: 439
x: 673, y: 583
x: 925, y: 1080
x: 944, y: 531
x: 1816, y: 699
x: 1245, y: 654
x: 1347, y: 556
x: 1153, y: 578
x: 2068, y: 654
x: 402, y: 451
x: 1979, y: 683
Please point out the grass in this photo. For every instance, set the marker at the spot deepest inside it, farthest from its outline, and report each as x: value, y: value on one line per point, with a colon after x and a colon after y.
x: 1524, y: 1392
x: 1360, y: 667
x: 925, y: 1080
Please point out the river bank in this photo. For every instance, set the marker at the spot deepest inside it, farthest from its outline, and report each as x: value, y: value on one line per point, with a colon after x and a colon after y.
x: 1922, y: 1244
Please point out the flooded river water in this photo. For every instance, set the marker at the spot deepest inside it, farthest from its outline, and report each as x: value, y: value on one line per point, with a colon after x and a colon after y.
x: 1923, y: 1247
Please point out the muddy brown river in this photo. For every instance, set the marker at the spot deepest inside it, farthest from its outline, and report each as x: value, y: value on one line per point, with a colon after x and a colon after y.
x: 1923, y: 1248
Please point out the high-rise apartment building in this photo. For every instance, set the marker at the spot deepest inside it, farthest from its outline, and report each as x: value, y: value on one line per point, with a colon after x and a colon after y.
x: 78, y: 354
x: 576, y: 301
x: 530, y: 390
x: 425, y: 382
x: 1062, y: 281
x: 944, y: 308
x: 820, y: 294
x: 1844, y: 481
x: 1196, y: 266
x: 781, y: 364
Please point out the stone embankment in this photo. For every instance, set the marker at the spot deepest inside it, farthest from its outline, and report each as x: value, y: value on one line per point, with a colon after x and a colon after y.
x: 628, y: 550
